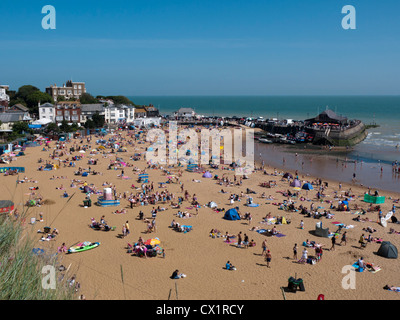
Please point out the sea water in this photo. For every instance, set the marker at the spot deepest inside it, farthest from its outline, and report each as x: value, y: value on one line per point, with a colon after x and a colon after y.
x: 372, y: 158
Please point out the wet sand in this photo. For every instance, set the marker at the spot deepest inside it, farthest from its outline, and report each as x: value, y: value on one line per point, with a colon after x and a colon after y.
x: 195, y: 253
x: 335, y: 165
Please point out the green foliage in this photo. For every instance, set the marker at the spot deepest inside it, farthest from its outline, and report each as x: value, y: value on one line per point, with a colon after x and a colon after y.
x: 21, y: 127
x: 89, y: 124
x: 33, y: 99
x: 21, y: 271
x: 87, y: 98
x: 30, y: 96
x: 98, y: 120
x: 65, y: 127
x: 52, y: 127
x: 25, y: 91
x: 121, y: 100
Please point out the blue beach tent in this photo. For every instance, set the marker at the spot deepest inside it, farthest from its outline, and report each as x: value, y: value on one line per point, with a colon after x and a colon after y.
x: 231, y: 214
x: 307, y: 186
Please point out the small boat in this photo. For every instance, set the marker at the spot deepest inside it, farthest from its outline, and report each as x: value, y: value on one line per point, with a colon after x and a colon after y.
x: 263, y: 140
x: 83, y: 246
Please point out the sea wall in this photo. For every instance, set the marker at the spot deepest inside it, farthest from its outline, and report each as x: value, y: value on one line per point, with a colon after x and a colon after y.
x: 347, y: 137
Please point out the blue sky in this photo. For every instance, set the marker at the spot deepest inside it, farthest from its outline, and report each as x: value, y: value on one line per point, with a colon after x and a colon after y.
x: 174, y: 47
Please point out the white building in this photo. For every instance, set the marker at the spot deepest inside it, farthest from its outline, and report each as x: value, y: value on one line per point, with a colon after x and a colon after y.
x: 88, y: 110
x: 4, y: 97
x: 185, y: 113
x: 119, y: 113
x: 47, y: 111
x: 146, y: 122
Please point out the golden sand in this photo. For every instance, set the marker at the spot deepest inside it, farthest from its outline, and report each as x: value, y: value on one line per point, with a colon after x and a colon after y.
x: 200, y: 257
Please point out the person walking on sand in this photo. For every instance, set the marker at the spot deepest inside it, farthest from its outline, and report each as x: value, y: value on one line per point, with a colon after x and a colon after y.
x: 268, y: 258
x: 264, y: 247
x: 344, y: 238
x: 333, y: 240
x: 301, y: 224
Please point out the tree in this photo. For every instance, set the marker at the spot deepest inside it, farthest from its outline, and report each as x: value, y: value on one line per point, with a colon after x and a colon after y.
x: 61, y: 98
x: 25, y: 91
x: 87, y: 98
x: 65, y: 126
x: 52, y: 127
x: 33, y: 99
x: 121, y: 100
x: 98, y: 120
x: 21, y: 127
x: 89, y: 124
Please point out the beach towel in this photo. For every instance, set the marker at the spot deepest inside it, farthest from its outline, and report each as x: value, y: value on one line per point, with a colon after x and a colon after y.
x: 230, y: 241
x: 280, y: 235
x: 261, y: 230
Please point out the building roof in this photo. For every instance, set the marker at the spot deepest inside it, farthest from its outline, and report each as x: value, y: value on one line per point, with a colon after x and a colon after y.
x: 21, y: 107
x: 46, y: 105
x: 328, y: 115
x: 140, y: 110
x: 92, y: 107
x: 185, y: 110
x: 7, y: 117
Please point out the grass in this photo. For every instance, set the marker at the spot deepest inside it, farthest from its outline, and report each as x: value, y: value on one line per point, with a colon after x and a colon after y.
x: 21, y: 270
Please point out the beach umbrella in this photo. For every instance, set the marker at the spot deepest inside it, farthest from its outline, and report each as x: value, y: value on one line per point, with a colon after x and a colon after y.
x: 82, y: 151
x: 307, y: 186
x: 152, y: 242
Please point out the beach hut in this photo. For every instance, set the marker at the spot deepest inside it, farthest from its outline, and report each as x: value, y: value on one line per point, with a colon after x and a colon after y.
x: 387, y: 250
x: 231, y: 214
x: 307, y: 186
x: 207, y: 174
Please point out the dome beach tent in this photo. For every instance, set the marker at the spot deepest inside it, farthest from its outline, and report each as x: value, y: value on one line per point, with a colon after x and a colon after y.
x: 231, y: 214
x: 212, y: 204
x: 295, y: 183
x: 288, y: 175
x: 207, y: 174
x: 387, y: 250
x: 307, y: 186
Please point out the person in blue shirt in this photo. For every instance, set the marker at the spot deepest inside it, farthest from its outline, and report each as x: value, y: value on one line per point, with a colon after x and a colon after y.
x: 229, y: 266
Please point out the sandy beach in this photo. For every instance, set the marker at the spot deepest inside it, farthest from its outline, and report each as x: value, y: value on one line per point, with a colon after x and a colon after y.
x: 109, y: 272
